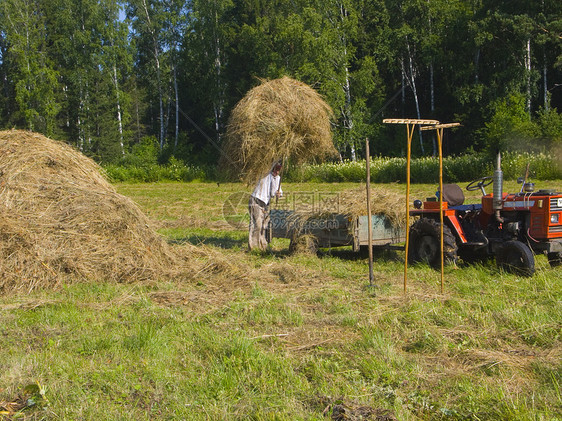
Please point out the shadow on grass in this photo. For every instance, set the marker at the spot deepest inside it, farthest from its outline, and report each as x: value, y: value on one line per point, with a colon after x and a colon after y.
x: 240, y: 241
x: 225, y: 242
x: 379, y: 254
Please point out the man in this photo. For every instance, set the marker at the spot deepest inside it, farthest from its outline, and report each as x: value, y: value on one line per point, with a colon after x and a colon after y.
x: 266, y: 188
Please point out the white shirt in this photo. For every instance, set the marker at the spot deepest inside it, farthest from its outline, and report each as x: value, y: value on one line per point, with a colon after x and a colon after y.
x: 267, y: 187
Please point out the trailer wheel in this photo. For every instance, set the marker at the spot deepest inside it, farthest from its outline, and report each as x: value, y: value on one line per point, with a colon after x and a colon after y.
x: 516, y: 257
x: 555, y: 259
x: 305, y: 243
x: 425, y: 244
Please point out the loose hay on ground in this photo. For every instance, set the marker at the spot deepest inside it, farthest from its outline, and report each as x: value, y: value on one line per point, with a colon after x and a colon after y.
x: 278, y: 119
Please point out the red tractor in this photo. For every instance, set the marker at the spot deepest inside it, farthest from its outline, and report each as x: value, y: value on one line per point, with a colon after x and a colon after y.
x: 510, y: 227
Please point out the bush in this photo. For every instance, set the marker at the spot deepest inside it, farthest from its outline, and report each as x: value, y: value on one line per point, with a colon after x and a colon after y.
x: 173, y: 171
x: 147, y: 164
x: 145, y: 152
x: 541, y: 166
x: 426, y: 170
x: 383, y: 170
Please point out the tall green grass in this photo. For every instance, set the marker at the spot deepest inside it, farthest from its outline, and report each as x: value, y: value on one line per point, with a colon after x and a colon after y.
x: 149, y: 173
x: 426, y: 170
x: 383, y: 170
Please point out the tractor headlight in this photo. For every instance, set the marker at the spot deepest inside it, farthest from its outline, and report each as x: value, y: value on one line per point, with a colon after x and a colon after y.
x: 554, y: 218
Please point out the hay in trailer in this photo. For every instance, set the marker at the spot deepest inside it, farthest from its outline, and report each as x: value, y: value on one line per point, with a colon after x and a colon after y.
x: 353, y: 203
x: 278, y: 119
x: 60, y: 220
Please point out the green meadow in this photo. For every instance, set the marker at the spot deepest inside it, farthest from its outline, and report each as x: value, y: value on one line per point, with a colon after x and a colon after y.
x: 280, y: 336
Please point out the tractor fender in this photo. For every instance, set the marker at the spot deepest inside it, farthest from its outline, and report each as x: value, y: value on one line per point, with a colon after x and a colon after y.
x: 456, y: 227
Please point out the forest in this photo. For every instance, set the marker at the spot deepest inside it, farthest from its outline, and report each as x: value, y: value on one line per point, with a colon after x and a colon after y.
x: 116, y: 78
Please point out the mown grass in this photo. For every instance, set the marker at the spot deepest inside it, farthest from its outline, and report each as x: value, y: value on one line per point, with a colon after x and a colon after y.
x: 291, y: 337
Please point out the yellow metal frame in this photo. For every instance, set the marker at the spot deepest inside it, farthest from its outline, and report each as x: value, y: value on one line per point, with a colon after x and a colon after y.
x: 439, y: 129
x: 410, y: 125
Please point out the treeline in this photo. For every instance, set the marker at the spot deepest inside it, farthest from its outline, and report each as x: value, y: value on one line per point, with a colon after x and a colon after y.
x: 120, y: 78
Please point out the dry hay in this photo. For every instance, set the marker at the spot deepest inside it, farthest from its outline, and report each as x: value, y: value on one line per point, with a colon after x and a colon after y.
x: 61, y: 220
x: 353, y: 203
x: 304, y: 244
x: 279, y: 119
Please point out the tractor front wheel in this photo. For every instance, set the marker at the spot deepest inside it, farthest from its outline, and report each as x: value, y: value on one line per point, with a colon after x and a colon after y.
x: 516, y: 257
x: 425, y: 243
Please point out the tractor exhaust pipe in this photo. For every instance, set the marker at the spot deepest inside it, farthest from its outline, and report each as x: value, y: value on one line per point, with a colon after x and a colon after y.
x: 498, y: 189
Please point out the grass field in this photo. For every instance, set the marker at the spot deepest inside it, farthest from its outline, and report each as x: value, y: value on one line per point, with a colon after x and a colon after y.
x: 284, y: 337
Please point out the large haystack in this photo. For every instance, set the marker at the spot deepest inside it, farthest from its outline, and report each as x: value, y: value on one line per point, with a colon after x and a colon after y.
x: 279, y: 119
x: 61, y: 220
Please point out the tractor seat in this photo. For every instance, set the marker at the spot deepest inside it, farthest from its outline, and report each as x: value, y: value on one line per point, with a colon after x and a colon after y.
x: 453, y: 195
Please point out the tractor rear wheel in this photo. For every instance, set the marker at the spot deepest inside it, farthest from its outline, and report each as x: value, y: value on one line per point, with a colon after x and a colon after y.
x: 516, y: 257
x: 555, y: 259
x: 425, y: 243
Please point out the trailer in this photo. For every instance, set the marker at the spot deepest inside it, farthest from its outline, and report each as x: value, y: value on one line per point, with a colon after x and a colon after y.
x: 335, y: 230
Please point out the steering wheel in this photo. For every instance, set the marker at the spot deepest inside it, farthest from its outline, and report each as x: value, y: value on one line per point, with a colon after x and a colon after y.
x: 479, y: 184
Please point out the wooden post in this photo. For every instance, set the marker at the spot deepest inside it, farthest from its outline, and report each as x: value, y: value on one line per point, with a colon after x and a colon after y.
x: 440, y: 146
x: 370, y: 230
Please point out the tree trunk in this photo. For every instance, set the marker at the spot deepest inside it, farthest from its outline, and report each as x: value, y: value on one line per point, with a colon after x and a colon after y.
x: 545, y: 89
x: 218, y: 103
x: 160, y: 102
x: 432, y: 95
x: 346, y: 112
x: 476, y: 64
x: 431, y: 82
x: 528, y: 74
x: 403, y: 84
x: 412, y: 82
x: 81, y: 136
x: 347, y: 116
x: 176, y: 135
x: 119, y: 118
x: 158, y: 77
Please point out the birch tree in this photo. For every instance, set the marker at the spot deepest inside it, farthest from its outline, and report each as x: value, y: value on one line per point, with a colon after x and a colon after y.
x: 116, y: 57
x: 174, y: 27
x: 71, y: 32
x: 208, y: 38
x: 148, y: 21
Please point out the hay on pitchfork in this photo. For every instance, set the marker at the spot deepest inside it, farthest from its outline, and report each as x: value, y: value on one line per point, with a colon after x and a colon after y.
x: 60, y: 220
x: 278, y: 119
